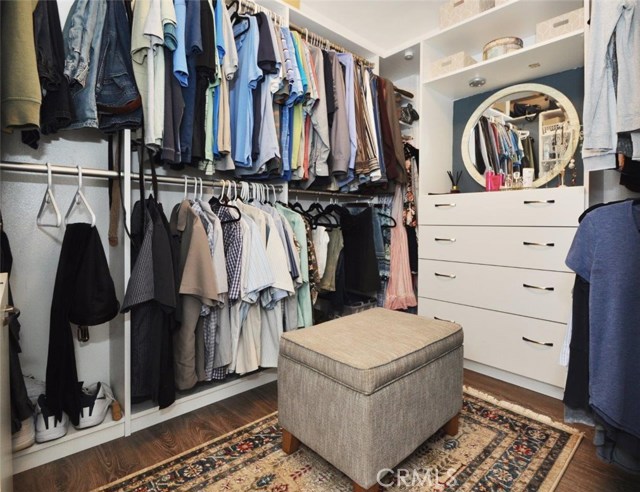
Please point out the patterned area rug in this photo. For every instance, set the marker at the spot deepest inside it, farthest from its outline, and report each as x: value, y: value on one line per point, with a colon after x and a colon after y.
x: 500, y: 447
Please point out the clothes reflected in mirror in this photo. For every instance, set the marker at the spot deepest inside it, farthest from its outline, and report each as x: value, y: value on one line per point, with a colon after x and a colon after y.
x: 520, y: 137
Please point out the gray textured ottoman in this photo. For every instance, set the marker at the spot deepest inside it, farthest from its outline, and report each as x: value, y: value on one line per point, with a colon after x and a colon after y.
x: 366, y: 390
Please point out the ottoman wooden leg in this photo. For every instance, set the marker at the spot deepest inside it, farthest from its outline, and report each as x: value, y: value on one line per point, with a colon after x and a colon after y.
x: 290, y: 443
x: 357, y: 488
x: 451, y: 427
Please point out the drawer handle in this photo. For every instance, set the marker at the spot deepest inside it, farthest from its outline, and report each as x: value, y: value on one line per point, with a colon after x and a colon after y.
x: 444, y: 275
x: 442, y: 319
x: 529, y: 243
x: 445, y: 239
x: 530, y: 202
x: 445, y: 205
x: 550, y: 289
x: 546, y: 344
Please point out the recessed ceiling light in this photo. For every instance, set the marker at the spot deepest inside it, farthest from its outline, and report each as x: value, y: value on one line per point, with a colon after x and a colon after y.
x: 477, y: 82
x: 534, y: 65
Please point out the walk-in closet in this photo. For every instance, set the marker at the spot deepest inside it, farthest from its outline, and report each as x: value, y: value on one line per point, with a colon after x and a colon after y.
x: 319, y: 245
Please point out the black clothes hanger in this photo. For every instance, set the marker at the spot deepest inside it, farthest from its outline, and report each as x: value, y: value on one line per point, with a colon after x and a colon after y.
x: 297, y: 207
x: 223, y: 201
x: 237, y: 18
x: 386, y: 216
x: 315, y: 207
x: 328, y: 213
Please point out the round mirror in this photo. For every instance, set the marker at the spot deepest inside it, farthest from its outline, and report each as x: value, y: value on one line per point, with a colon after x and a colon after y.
x: 521, y: 136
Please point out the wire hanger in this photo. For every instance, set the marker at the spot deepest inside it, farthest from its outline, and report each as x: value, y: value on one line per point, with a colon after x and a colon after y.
x: 79, y: 199
x: 49, y: 199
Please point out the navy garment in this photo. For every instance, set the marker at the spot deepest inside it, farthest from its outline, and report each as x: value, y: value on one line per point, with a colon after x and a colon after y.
x: 606, y: 253
x: 117, y: 98
x: 193, y: 47
x: 84, y: 295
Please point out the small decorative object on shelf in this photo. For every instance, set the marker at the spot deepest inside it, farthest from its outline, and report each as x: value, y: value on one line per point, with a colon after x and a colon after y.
x: 455, y: 181
x: 501, y: 46
x: 574, y: 172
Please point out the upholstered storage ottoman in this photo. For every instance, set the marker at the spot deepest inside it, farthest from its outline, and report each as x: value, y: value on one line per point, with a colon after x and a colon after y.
x: 364, y: 391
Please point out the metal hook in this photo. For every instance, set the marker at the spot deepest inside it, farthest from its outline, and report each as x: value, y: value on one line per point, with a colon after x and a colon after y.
x: 186, y: 184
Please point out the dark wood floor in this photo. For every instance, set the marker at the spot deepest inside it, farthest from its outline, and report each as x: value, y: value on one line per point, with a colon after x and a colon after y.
x: 110, y: 461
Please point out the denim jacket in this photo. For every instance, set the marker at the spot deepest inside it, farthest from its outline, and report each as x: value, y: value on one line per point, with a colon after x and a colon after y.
x: 118, y: 101
x: 82, y: 40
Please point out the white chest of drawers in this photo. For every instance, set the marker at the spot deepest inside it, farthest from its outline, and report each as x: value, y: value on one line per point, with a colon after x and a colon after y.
x: 494, y: 262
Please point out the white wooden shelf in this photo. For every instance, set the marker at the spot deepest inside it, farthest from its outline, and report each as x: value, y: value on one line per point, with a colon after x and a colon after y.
x: 553, y: 56
x: 516, y: 18
x: 73, y: 442
x: 147, y: 414
x: 405, y: 125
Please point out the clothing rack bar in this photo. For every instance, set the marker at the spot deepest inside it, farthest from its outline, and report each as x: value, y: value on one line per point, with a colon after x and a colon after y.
x: 304, y: 31
x: 334, y: 194
x: 88, y: 172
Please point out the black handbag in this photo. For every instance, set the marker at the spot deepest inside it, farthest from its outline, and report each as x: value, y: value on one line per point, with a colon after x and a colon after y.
x: 529, y: 111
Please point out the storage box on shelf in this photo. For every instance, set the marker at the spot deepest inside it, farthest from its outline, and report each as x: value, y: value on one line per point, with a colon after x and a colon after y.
x: 517, y: 18
x: 455, y: 11
x: 494, y: 262
x: 562, y: 24
x: 450, y: 63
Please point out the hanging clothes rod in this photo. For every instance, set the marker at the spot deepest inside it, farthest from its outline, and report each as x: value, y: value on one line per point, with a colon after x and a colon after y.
x: 248, y: 5
x: 334, y: 194
x: 320, y: 40
x: 88, y: 172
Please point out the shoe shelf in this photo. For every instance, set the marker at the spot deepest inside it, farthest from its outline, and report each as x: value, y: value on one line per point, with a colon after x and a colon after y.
x: 406, y: 125
x: 146, y: 414
x: 74, y: 441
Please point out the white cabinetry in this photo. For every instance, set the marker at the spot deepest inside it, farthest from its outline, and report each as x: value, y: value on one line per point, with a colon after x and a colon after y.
x: 534, y: 60
x: 494, y: 262
x: 497, y: 268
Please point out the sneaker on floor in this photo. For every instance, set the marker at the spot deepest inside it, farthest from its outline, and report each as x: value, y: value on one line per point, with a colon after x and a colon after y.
x: 25, y: 437
x: 95, y: 400
x: 48, y: 427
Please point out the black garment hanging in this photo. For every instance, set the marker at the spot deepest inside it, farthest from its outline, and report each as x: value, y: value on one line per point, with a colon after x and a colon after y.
x: 84, y: 295
x: 151, y: 298
x: 361, y: 264
x: 21, y: 407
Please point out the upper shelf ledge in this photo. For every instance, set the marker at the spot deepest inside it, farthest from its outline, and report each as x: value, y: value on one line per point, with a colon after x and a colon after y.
x: 515, y: 18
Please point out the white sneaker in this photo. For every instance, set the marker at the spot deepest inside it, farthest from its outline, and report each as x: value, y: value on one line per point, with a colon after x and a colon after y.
x: 25, y: 437
x: 96, y: 400
x: 47, y: 427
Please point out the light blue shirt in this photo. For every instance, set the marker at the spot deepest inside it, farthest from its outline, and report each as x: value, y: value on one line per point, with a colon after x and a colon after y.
x: 241, y: 92
x: 180, y: 70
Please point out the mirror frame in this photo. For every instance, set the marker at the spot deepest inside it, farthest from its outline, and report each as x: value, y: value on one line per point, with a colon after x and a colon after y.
x: 562, y: 100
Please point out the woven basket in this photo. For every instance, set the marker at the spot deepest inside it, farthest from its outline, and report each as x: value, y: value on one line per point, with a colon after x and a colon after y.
x: 501, y: 46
